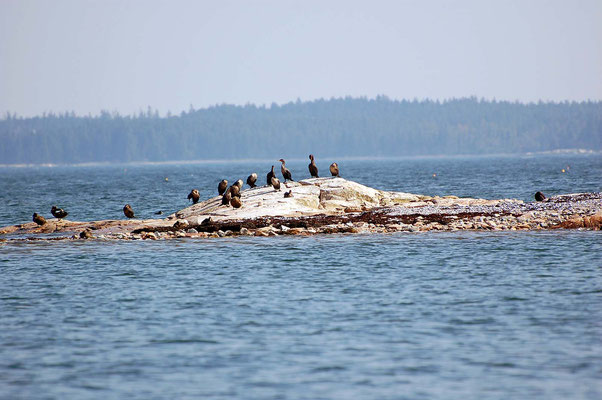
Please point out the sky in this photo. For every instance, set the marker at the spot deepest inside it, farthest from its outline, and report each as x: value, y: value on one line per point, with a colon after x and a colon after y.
x: 86, y: 56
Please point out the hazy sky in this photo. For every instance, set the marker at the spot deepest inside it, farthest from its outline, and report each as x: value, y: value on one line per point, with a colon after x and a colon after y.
x: 85, y: 56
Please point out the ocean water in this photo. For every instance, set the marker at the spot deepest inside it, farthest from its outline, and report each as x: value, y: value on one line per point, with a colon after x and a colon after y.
x: 431, y: 315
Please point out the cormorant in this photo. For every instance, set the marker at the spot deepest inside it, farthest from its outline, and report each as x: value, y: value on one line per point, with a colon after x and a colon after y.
x: 38, y: 219
x: 313, y: 169
x: 234, y: 190
x: 194, y: 196
x: 286, y: 173
x: 127, y: 210
x: 235, y: 202
x: 276, y: 183
x: 226, y: 198
x: 221, y: 188
x: 270, y: 176
x: 252, y: 179
x: 58, y: 212
x: 334, y: 169
x: 86, y: 234
x: 540, y: 196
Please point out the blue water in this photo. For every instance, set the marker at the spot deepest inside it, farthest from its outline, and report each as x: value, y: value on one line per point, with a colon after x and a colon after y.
x: 92, y: 193
x: 399, y: 316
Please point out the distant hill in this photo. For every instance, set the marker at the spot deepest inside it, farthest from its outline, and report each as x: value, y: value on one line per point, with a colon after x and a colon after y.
x: 335, y: 127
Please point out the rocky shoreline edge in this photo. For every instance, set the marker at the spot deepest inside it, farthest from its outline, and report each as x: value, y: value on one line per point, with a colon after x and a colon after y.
x: 328, y: 206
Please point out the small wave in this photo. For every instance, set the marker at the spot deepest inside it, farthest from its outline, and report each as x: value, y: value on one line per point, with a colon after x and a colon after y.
x: 329, y: 368
x: 126, y: 274
x: 248, y: 323
x: 493, y: 364
x: 89, y: 386
x: 476, y: 321
x: 183, y: 341
x: 513, y: 298
x: 422, y: 369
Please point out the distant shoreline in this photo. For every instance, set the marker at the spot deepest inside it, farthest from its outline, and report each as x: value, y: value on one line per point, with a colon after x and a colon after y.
x: 576, y: 152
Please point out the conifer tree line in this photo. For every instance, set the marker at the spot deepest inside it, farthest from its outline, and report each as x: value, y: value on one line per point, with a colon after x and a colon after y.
x: 343, y: 127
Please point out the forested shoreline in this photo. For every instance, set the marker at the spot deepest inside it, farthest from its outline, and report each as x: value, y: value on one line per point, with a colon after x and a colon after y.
x: 344, y: 127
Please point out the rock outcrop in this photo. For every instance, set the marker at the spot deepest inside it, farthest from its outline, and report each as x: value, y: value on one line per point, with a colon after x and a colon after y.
x: 334, y: 205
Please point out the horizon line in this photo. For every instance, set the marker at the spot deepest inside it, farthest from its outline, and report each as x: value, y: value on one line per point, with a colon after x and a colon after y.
x: 554, y: 152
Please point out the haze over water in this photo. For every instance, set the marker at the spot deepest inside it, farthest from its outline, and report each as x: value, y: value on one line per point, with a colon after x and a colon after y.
x: 432, y: 315
x: 413, y: 315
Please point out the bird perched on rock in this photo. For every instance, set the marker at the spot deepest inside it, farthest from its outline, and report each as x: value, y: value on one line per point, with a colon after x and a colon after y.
x: 194, y: 195
x: 252, y: 179
x: 236, y: 202
x: 239, y: 183
x: 334, y: 169
x: 234, y: 190
x: 288, y: 194
x: 128, y: 211
x: 221, y: 188
x: 86, y: 234
x: 226, y: 198
x: 58, y: 212
x: 313, y: 169
x: 540, y: 196
x: 38, y: 219
x: 181, y: 224
x: 276, y: 183
x: 286, y: 173
x: 270, y: 176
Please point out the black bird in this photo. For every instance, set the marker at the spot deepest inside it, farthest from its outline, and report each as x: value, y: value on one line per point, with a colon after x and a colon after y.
x: 252, y: 179
x: 270, y: 176
x: 540, y: 196
x: 127, y: 210
x: 286, y: 173
x: 288, y: 194
x: 276, y: 183
x: 58, y: 212
x: 234, y: 190
x: 226, y: 198
x: 179, y: 225
x: 38, y: 219
x: 221, y: 188
x: 86, y: 234
x: 334, y: 169
x: 194, y: 196
x: 313, y: 169
x: 235, y: 202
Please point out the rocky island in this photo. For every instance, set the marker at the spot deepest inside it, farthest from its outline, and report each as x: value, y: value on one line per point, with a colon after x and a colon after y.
x: 331, y: 205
